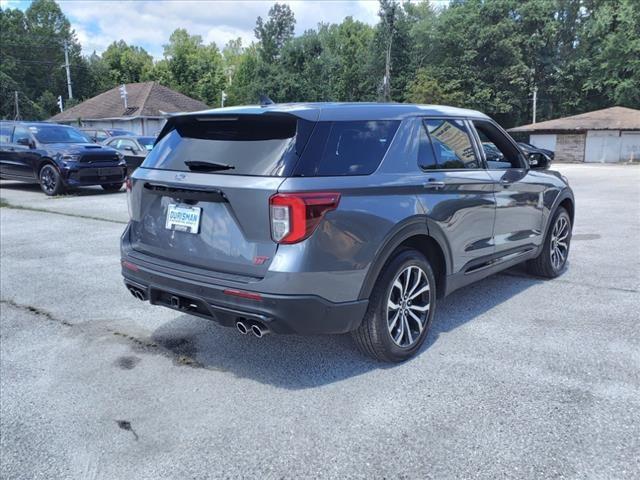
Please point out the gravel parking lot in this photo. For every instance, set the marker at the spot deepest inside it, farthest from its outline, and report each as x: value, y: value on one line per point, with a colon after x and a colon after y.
x: 519, y: 378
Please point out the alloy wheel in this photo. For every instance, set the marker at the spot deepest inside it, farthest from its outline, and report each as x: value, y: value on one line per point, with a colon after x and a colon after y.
x: 408, y: 306
x: 48, y: 179
x: 559, y: 243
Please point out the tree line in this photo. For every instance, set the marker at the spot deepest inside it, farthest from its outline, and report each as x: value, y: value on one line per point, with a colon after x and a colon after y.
x: 489, y: 55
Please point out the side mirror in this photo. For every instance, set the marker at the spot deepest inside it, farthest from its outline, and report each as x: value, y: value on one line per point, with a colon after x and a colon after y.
x: 25, y: 142
x: 538, y: 161
x: 129, y: 148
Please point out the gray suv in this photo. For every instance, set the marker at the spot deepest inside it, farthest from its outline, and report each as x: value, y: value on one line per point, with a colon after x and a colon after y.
x: 334, y: 218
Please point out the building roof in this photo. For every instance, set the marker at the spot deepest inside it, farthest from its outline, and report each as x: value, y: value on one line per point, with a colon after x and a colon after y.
x: 614, y: 118
x: 335, y: 111
x: 146, y: 99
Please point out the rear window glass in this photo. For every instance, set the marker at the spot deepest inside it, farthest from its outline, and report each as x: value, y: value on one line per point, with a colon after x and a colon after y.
x: 347, y: 148
x: 249, y: 145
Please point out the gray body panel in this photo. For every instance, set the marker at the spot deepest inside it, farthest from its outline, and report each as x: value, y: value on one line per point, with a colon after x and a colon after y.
x: 482, y: 220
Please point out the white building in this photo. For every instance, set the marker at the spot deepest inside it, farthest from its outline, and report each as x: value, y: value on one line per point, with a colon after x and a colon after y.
x: 148, y: 104
x: 610, y: 135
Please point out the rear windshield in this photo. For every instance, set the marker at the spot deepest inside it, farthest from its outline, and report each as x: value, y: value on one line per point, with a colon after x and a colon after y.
x: 272, y: 145
x: 248, y: 145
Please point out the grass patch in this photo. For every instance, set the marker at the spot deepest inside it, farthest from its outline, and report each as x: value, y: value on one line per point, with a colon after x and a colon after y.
x: 4, y: 203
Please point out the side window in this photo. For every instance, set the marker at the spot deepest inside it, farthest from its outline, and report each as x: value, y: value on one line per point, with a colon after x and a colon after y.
x: 347, y: 148
x: 426, y: 155
x: 20, y: 133
x: 127, y: 143
x: 451, y: 144
x: 498, y: 150
x: 100, y: 136
x: 5, y: 133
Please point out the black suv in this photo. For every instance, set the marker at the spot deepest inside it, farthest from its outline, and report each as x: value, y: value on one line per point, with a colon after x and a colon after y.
x: 58, y: 157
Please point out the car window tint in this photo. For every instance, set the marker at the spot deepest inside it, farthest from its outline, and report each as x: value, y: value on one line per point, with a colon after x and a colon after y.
x: 101, y: 136
x: 426, y: 156
x: 5, y: 133
x: 127, y: 143
x: 452, y: 144
x: 499, y: 152
x: 347, y: 148
x: 20, y: 133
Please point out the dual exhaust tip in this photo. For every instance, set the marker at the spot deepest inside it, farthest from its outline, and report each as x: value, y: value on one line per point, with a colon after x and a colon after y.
x: 257, y: 329
x: 243, y: 327
x: 138, y: 293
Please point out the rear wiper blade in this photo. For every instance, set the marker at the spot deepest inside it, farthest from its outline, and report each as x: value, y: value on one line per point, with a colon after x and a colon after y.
x: 196, y: 166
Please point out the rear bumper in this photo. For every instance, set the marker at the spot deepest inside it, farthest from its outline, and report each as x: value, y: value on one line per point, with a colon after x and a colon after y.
x: 301, y: 314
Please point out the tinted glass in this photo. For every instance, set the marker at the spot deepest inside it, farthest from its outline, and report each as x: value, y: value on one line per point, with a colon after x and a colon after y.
x: 251, y: 145
x: 347, y: 148
x: 58, y: 134
x: 426, y: 156
x: 146, y: 142
x: 498, y: 150
x: 21, y: 133
x: 451, y: 144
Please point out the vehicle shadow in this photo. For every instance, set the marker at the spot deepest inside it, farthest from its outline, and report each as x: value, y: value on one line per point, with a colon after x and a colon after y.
x: 76, y: 192
x: 300, y: 362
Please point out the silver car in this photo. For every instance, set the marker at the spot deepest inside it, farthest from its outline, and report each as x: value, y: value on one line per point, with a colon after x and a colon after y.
x: 334, y: 218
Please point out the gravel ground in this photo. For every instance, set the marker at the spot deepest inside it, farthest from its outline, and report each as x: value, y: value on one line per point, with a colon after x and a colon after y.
x: 519, y: 378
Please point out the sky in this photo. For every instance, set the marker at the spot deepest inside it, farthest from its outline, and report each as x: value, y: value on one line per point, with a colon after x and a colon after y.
x: 149, y: 24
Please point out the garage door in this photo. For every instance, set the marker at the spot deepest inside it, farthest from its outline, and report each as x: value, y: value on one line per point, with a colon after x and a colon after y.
x: 602, y: 147
x: 630, y: 147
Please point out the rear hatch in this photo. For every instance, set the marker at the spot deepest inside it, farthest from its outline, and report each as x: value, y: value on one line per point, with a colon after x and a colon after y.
x: 201, y: 197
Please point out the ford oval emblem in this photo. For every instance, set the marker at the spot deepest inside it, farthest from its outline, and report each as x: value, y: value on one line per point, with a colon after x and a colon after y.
x: 180, y: 176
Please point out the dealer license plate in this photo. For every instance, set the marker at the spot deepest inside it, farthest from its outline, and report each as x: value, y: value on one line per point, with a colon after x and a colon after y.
x: 183, y: 218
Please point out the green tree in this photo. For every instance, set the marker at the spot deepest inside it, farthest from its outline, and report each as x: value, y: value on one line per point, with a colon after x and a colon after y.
x: 126, y: 63
x: 275, y: 32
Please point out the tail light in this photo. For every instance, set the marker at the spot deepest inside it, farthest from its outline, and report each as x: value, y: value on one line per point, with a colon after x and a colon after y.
x: 294, y: 216
x: 127, y: 184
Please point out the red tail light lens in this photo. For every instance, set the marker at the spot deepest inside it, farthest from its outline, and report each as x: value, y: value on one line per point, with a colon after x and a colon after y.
x: 294, y: 216
x: 127, y: 184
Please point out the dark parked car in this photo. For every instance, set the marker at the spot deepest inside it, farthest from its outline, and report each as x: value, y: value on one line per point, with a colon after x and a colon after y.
x: 99, y: 135
x: 537, y: 157
x: 334, y: 218
x: 134, y: 148
x: 549, y: 153
x: 58, y: 157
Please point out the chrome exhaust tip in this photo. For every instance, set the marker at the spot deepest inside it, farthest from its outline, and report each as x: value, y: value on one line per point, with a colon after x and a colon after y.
x: 259, y: 330
x: 137, y: 293
x: 242, y: 328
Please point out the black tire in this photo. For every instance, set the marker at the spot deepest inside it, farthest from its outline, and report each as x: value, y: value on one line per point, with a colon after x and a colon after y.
x: 50, y: 180
x: 373, y: 337
x: 544, y: 265
x: 112, y: 187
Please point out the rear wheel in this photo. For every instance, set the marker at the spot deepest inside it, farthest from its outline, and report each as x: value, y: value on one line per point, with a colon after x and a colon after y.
x: 50, y: 180
x: 111, y: 187
x: 401, y: 308
x: 555, y: 251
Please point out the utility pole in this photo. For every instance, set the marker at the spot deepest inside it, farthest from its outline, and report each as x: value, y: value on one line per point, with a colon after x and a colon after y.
x: 60, y: 105
x: 123, y: 94
x: 15, y: 99
x: 223, y: 97
x: 535, y: 102
x: 66, y: 66
x: 386, y: 82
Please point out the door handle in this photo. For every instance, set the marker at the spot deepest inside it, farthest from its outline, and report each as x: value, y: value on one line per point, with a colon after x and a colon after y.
x: 434, y: 184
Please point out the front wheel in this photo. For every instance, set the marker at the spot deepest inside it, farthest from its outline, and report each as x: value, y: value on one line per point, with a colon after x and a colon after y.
x: 401, y: 308
x: 111, y: 187
x: 50, y: 180
x: 555, y: 250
